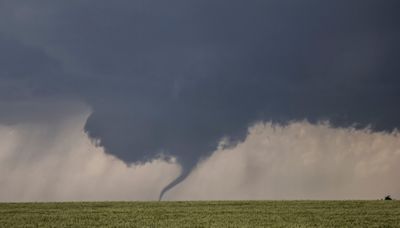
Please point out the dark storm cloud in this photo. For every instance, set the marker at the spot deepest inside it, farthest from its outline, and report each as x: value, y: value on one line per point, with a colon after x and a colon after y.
x: 177, y: 76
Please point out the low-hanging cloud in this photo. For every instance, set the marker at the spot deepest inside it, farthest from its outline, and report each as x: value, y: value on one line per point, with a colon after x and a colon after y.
x: 57, y: 161
x: 298, y: 161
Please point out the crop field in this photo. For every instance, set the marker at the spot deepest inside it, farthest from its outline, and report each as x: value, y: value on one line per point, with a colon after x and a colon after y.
x: 203, y: 214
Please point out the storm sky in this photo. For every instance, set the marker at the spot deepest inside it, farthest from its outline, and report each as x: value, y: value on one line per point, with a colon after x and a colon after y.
x: 173, y: 79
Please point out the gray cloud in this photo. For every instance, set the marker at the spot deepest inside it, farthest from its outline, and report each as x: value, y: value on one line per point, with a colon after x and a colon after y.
x: 175, y: 77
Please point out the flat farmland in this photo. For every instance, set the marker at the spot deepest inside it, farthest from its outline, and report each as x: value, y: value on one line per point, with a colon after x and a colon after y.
x: 377, y: 213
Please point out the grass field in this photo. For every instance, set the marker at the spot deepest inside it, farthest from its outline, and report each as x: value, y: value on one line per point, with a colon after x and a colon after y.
x: 203, y: 214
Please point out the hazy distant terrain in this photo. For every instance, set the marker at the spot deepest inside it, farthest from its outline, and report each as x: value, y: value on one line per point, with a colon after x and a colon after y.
x: 203, y: 214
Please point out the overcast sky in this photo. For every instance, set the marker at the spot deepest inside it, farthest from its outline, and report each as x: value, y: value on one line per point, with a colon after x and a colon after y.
x: 176, y: 77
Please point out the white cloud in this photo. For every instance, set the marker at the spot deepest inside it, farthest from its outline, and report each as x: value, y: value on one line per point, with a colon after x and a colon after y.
x: 298, y: 161
x: 49, y: 157
x: 57, y: 161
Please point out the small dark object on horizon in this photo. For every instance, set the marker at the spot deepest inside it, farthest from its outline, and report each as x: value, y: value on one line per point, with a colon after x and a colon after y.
x: 388, y: 197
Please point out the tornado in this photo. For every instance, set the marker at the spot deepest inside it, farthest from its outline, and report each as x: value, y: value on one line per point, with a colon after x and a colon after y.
x: 182, y: 176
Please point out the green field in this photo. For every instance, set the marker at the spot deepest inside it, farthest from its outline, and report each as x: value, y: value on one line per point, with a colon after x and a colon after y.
x: 203, y: 214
